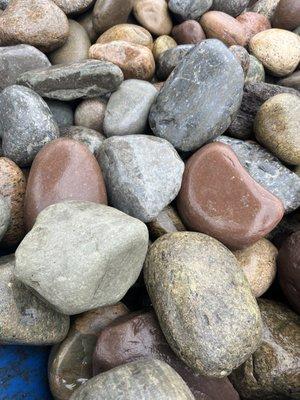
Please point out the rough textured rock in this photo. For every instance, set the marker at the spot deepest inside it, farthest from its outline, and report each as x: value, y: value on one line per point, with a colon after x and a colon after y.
x: 277, y: 124
x: 287, y: 15
x: 128, y: 108
x: 58, y: 172
x: 74, y: 6
x: 182, y: 112
x: 193, y: 280
x: 153, y: 15
x: 147, y: 380
x: 242, y: 55
x: 292, y: 81
x: 14, y: 60
x: 265, y: 7
x: 170, y: 58
x: 256, y: 71
x: 231, y: 7
x: 39, y: 23
x: 167, y: 221
x: 82, y: 255
x: 108, y: 13
x: 188, y: 32
x: 267, y: 170
x: 24, y: 318
x: 83, y: 79
x: 161, y: 44
x: 91, y: 138
x: 253, y: 23
x: 4, y: 216
x: 129, y: 33
x: 272, y: 372
x: 26, y: 124
x: 62, y: 112
x: 250, y: 211
x: 139, y: 182
x: 189, y: 9
x: 90, y: 113
x: 70, y: 363
x: 86, y: 21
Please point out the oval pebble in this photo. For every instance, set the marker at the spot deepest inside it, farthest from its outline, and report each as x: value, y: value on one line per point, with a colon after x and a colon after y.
x: 90, y: 113
x: 108, y: 13
x: 153, y: 15
x: 162, y: 44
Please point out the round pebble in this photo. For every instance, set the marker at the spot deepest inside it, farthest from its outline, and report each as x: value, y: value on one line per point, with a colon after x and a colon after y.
x: 108, y: 13
x: 161, y: 44
x: 188, y: 32
x: 153, y: 15
x: 90, y: 113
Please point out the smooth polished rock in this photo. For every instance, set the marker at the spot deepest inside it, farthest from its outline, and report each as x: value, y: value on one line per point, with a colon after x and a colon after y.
x: 138, y: 182
x: 170, y: 58
x: 26, y: 124
x: 39, y: 23
x: 208, y: 79
x: 89, y: 137
x: 74, y: 6
x: 193, y: 280
x: 62, y: 112
x: 218, y: 197
x: 161, y: 44
x: 189, y: 9
x: 292, y: 81
x: 82, y: 255
x: 153, y: 15
x: 231, y: 7
x: 188, y: 32
x: 108, y: 13
x: 63, y: 170
x: 287, y: 15
x: 83, y: 79
x: 4, y: 216
x: 90, y: 113
x: 167, y: 221
x: 70, y: 362
x: 253, y: 23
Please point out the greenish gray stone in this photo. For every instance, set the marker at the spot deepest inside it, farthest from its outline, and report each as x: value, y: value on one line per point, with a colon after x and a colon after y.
x: 189, y: 9
x: 91, y: 138
x: 62, y: 112
x: 203, y: 302
x: 4, y: 216
x: 256, y: 71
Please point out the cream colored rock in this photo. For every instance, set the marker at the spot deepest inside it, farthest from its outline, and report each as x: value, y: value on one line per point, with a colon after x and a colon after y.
x: 259, y: 265
x: 129, y: 33
x: 277, y: 49
x: 153, y: 15
x: 161, y: 44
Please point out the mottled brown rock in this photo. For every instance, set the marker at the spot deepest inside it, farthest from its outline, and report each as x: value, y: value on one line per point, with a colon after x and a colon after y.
x: 153, y: 15
x: 135, y: 61
x: 253, y: 23
x: 128, y: 33
x: 287, y: 15
x: 277, y: 124
x: 90, y: 113
x: 218, y: 197
x: 188, y: 32
x: 193, y: 280
x: 242, y: 55
x: 259, y: 265
x: 219, y: 25
x: 70, y: 363
x: 12, y: 188
x: 162, y: 44
x: 167, y: 221
x: 63, y: 170
x: 272, y: 372
x: 39, y: 23
x: 289, y: 269
x: 108, y: 13
x: 138, y: 336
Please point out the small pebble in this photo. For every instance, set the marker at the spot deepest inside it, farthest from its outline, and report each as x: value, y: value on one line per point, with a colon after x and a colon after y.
x: 167, y: 221
x: 188, y: 32
x: 89, y: 137
x: 4, y: 216
x: 62, y: 112
x: 153, y: 15
x: 256, y: 71
x: 287, y: 15
x: 90, y: 113
x: 161, y: 44
x: 108, y: 13
x: 170, y: 58
x: 189, y: 9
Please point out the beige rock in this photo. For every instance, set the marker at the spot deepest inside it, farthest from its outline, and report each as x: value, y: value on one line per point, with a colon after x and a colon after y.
x: 90, y: 113
x: 161, y: 44
x: 129, y: 33
x: 277, y: 49
x: 153, y: 15
x: 259, y: 265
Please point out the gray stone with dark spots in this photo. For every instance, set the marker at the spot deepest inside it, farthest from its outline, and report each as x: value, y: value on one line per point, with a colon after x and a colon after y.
x: 170, y: 58
x: 189, y: 9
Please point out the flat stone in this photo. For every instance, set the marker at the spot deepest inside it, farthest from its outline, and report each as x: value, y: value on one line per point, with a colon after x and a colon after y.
x: 231, y: 7
x: 265, y: 7
x: 167, y: 221
x: 39, y: 23
x: 277, y: 49
x: 58, y: 172
x: 74, y: 6
x: 24, y: 318
x: 253, y: 23
x: 151, y: 379
x: 128, y: 108
x: 242, y: 55
x: 170, y: 58
x: 62, y: 112
x: 272, y: 372
x: 65, y: 259
x: 161, y: 44
x: 89, y: 137
x: 108, y: 13
x: 83, y: 79
x: 256, y: 71
x: 77, y: 350
x: 153, y: 15
x: 90, y: 113
x: 208, y: 78
x: 137, y: 181
x: 86, y: 21
x: 277, y: 124
x: 218, y: 197
x: 12, y: 188
x: 188, y: 32
x: 292, y: 81
x: 135, y: 61
x: 189, y: 9
x: 14, y: 60
x: 267, y: 170
x: 289, y: 269
x: 4, y: 216
x: 193, y: 280
x: 24, y: 129
x: 75, y: 49
x: 287, y: 15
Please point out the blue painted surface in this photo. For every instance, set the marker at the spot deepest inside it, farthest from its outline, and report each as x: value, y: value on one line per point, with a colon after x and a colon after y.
x: 23, y: 373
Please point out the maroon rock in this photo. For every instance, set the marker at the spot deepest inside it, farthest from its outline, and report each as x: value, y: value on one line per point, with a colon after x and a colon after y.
x: 253, y: 23
x: 289, y: 269
x: 188, y: 32
x: 287, y: 15
x: 218, y: 197
x: 63, y: 170
x: 138, y: 336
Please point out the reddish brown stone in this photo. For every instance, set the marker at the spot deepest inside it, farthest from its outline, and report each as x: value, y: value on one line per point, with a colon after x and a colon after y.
x: 188, y: 32
x: 253, y: 23
x: 63, y: 170
x: 289, y: 269
x: 287, y: 15
x: 218, y: 197
x: 137, y: 336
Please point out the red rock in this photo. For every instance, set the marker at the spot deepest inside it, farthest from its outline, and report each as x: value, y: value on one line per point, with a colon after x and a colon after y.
x: 219, y: 198
x: 63, y: 170
x: 287, y: 15
x: 188, y: 32
x: 253, y: 23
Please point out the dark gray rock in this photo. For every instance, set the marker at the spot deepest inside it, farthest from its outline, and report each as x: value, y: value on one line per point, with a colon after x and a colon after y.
x: 128, y: 108
x: 62, y: 112
x: 91, y: 138
x: 231, y: 7
x: 142, y: 174
x: 3, y: 4
x: 4, y: 216
x: 200, y: 98
x: 15, y: 60
x: 292, y: 81
x: 170, y: 58
x: 26, y: 124
x: 83, y: 79
x: 267, y: 170
x: 189, y: 9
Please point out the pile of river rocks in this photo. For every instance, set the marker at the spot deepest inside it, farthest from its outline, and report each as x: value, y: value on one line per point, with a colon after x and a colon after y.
x: 149, y: 199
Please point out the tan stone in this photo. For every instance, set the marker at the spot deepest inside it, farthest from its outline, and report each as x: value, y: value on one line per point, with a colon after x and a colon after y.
x: 153, y: 15
x: 128, y: 33
x: 161, y: 44
x: 90, y: 113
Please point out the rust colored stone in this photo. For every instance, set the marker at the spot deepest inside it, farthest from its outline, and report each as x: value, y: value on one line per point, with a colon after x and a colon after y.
x: 253, y: 23
x: 188, y: 32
